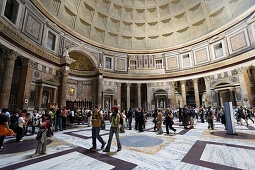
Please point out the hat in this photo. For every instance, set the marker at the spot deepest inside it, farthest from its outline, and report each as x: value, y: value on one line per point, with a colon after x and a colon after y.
x: 21, y: 114
x: 115, y: 108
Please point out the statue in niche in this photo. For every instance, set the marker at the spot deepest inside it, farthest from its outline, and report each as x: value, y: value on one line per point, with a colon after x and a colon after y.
x: 161, y: 104
x: 106, y: 104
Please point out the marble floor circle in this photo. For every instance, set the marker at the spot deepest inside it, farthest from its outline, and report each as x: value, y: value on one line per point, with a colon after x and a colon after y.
x: 141, y: 141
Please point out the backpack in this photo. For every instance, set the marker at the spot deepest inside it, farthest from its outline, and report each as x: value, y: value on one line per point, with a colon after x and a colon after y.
x: 89, y: 113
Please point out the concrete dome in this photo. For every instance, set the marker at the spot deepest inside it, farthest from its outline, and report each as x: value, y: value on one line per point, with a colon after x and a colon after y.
x: 143, y: 24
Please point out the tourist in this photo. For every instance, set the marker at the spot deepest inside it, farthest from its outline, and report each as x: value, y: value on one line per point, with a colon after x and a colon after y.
x: 97, y: 117
x: 89, y: 114
x: 185, y: 117
x: 64, y: 118
x: 192, y: 115
x: 210, y: 118
x: 223, y: 118
x: 42, y: 141
x: 159, y: 121
x: 130, y: 117
x: 136, y: 119
x: 122, y: 118
x: 202, y: 115
x: 35, y: 121
x: 169, y: 121
x: 58, y: 120
x: 141, y: 120
x: 20, y: 129
x: 155, y: 115
x: 4, y: 127
x: 248, y: 115
x: 115, y: 121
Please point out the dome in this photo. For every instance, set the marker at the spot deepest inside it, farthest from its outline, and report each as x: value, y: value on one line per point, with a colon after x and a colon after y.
x: 142, y: 24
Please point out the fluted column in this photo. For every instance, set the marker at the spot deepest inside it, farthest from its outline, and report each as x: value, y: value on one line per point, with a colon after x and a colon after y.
x: 208, y: 91
x: 148, y: 96
x: 195, y: 83
x: 183, y: 87
x: 7, y: 77
x: 243, y: 86
x: 139, y: 95
x: 64, y: 86
x: 173, y: 97
x: 128, y: 95
x: 100, y: 90
x: 24, y: 83
x: 119, y: 95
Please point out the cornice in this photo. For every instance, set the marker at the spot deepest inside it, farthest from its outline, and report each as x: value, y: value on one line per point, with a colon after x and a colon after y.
x: 50, y: 16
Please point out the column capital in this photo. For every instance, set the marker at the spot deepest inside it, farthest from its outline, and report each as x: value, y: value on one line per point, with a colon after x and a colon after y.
x: 118, y: 84
x: 183, y: 82
x: 207, y: 78
x: 195, y: 80
x: 148, y: 84
x: 27, y: 62
x: 64, y: 71
x: 139, y: 85
x: 172, y: 83
x: 128, y: 84
x: 11, y: 54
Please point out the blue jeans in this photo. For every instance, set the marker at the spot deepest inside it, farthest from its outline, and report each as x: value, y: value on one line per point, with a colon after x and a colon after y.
x: 95, y: 136
x: 130, y: 123
x: 58, y: 124
x: 112, y: 131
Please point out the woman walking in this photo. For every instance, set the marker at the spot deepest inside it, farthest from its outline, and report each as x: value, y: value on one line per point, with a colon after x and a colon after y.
x: 42, y: 141
x: 115, y: 121
x: 169, y: 121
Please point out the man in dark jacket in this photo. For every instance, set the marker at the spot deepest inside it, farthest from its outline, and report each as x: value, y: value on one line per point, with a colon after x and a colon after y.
x: 155, y: 115
x: 130, y: 116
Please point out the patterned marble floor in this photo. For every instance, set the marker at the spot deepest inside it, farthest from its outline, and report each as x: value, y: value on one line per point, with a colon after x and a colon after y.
x: 197, y: 148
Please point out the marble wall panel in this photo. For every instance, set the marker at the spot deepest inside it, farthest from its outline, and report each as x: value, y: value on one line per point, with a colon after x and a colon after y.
x: 238, y: 41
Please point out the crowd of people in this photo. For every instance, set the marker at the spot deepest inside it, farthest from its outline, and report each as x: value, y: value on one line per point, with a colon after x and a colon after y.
x: 121, y: 120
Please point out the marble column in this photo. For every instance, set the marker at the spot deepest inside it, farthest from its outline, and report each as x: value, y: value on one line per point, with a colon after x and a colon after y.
x: 39, y: 96
x: 208, y: 91
x: 24, y: 83
x: 244, y: 86
x: 148, y: 96
x: 139, y: 95
x: 100, y: 91
x: 173, y: 97
x: 183, y: 87
x: 64, y: 86
x: 128, y: 95
x: 119, y: 95
x: 195, y: 83
x: 54, y: 96
x: 7, y: 77
x: 232, y: 96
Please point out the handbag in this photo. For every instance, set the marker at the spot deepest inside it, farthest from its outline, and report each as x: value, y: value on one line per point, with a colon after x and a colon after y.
x: 39, y: 135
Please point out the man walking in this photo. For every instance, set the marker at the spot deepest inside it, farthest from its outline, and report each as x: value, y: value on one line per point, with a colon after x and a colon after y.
x: 97, y: 117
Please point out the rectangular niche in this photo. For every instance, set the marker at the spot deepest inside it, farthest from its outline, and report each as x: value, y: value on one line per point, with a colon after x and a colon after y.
x: 139, y: 28
x: 238, y: 40
x: 89, y: 11
x: 158, y: 63
x: 127, y: 13
x: 172, y: 62
x: 32, y: 27
x: 151, y: 14
x: 166, y: 25
x: 133, y: 64
x: 180, y: 20
x: 11, y: 11
x: 125, y: 41
x: 108, y: 62
x: 139, y: 14
x: 121, y: 63
x: 218, y: 49
x: 186, y: 60
x: 201, y: 55
x: 126, y: 27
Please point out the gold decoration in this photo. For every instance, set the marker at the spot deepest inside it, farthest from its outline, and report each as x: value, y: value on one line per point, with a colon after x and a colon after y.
x: 82, y: 62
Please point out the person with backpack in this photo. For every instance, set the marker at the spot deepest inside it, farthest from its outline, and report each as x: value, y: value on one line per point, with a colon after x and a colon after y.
x: 115, y: 122
x: 42, y: 141
x: 97, y: 117
x: 89, y: 114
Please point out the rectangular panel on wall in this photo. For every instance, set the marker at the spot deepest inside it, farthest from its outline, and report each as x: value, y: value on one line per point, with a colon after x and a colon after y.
x: 121, y: 64
x: 186, y: 60
x: 32, y: 26
x: 238, y: 40
x: 201, y: 55
x: 172, y: 62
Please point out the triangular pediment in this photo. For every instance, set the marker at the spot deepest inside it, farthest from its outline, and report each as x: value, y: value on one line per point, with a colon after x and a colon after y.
x: 216, y: 38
